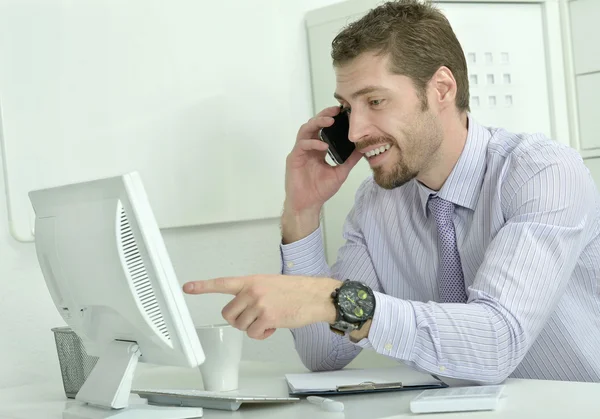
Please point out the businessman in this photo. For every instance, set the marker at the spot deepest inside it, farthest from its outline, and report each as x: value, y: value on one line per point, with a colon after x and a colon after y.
x: 471, y: 252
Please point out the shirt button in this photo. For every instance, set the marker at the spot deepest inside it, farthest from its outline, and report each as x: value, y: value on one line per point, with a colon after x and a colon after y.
x: 388, y: 346
x: 442, y: 368
x: 290, y: 264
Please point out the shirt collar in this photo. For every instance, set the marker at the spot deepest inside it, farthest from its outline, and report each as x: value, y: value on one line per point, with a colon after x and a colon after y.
x: 464, y: 183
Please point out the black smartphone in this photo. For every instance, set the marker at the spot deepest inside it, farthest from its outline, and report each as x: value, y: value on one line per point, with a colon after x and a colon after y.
x: 336, y: 135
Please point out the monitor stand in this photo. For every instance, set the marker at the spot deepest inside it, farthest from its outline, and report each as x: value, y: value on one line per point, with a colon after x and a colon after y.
x: 105, y: 393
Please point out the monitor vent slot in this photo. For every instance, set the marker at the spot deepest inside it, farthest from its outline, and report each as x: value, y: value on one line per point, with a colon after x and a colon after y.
x: 134, y: 264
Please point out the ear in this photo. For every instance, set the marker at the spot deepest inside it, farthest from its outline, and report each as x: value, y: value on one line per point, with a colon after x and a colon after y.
x: 443, y: 84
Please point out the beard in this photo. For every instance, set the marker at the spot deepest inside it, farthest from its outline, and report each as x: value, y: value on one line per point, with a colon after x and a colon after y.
x: 400, y: 174
x: 421, y: 141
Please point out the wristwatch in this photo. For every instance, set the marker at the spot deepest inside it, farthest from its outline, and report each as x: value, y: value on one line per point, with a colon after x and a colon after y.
x: 355, y: 304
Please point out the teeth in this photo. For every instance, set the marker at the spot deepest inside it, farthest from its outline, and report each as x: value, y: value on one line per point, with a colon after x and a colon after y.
x: 377, y: 151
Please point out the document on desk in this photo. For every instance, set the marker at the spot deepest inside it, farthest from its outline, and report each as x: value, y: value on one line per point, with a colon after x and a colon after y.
x: 351, y: 381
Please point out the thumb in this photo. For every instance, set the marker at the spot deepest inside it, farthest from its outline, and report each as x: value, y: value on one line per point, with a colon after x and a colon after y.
x: 268, y: 333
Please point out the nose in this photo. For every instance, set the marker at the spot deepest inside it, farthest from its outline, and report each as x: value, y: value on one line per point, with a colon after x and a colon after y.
x: 358, y: 126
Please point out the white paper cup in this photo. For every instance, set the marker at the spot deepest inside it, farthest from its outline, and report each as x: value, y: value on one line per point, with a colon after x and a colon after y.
x: 222, y: 345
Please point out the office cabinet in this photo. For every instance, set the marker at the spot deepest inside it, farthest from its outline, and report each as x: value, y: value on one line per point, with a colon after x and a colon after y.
x: 585, y: 35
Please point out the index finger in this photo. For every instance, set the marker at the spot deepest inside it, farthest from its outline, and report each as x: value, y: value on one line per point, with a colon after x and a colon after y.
x: 311, y: 128
x: 331, y: 111
x: 225, y: 285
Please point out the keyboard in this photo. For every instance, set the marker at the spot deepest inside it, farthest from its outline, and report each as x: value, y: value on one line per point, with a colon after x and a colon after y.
x: 206, y: 399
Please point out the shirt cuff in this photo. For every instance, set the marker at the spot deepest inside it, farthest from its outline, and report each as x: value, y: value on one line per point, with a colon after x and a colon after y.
x: 305, y: 256
x: 363, y: 343
x: 393, y: 331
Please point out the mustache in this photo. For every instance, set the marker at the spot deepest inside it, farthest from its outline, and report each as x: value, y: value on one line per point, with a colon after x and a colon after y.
x: 374, y: 141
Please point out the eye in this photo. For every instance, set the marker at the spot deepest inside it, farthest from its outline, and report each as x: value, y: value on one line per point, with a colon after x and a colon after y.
x: 375, y: 102
x: 344, y: 109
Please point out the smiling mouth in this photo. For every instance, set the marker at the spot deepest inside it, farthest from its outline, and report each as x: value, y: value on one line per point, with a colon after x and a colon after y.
x: 378, y: 151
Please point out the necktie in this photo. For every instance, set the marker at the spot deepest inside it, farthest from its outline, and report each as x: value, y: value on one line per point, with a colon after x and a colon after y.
x: 451, y: 281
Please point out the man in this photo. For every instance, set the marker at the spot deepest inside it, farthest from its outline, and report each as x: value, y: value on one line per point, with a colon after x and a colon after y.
x: 478, y: 250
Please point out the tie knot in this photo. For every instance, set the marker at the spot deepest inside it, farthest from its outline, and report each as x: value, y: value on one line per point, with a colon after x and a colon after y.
x: 441, y: 209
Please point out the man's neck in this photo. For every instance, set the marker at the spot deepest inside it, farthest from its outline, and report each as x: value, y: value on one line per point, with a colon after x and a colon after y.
x: 454, y: 131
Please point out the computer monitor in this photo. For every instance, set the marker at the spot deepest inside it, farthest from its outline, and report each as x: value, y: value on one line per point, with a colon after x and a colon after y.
x: 108, y: 272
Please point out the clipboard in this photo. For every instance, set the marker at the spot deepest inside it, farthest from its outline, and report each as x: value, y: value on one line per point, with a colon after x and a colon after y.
x: 351, y: 381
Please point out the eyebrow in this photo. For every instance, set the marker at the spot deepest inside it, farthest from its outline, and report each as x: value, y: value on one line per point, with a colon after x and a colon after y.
x: 364, y: 91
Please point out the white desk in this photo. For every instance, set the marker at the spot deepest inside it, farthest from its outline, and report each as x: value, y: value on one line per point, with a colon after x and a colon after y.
x: 525, y: 399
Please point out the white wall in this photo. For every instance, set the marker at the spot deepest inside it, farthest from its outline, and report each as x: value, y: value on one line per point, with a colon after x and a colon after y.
x: 27, y: 351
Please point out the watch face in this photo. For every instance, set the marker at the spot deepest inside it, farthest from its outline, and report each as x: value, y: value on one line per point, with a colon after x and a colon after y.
x: 356, y: 301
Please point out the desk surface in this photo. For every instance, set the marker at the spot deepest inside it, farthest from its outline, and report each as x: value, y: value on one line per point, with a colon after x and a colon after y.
x: 524, y: 399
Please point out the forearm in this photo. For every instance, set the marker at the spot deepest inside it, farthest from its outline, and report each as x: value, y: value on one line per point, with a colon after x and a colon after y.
x: 298, y: 225
x: 478, y: 341
x: 318, y: 347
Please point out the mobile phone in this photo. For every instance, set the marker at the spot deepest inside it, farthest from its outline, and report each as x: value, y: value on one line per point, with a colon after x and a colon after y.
x: 336, y: 135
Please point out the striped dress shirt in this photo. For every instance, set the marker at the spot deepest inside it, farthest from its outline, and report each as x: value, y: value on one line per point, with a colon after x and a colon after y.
x: 527, y: 224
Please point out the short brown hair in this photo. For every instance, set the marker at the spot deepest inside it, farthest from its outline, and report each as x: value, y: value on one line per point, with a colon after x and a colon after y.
x: 418, y: 38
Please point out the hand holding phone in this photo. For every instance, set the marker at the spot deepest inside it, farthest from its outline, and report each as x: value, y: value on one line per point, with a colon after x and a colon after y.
x: 336, y: 136
x: 310, y: 180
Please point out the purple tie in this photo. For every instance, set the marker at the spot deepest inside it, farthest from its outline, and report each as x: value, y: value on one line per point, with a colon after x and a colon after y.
x: 451, y: 280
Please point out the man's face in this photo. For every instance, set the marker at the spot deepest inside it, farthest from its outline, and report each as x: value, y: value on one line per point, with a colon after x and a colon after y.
x: 387, y: 116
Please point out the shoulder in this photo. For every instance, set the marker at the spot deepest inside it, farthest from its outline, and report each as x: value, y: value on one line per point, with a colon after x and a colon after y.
x: 523, y: 155
x: 535, y: 171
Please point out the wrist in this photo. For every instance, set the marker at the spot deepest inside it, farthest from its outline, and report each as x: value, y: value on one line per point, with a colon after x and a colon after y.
x: 298, y: 225
x: 328, y: 311
x: 360, y: 334
x: 354, y: 303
